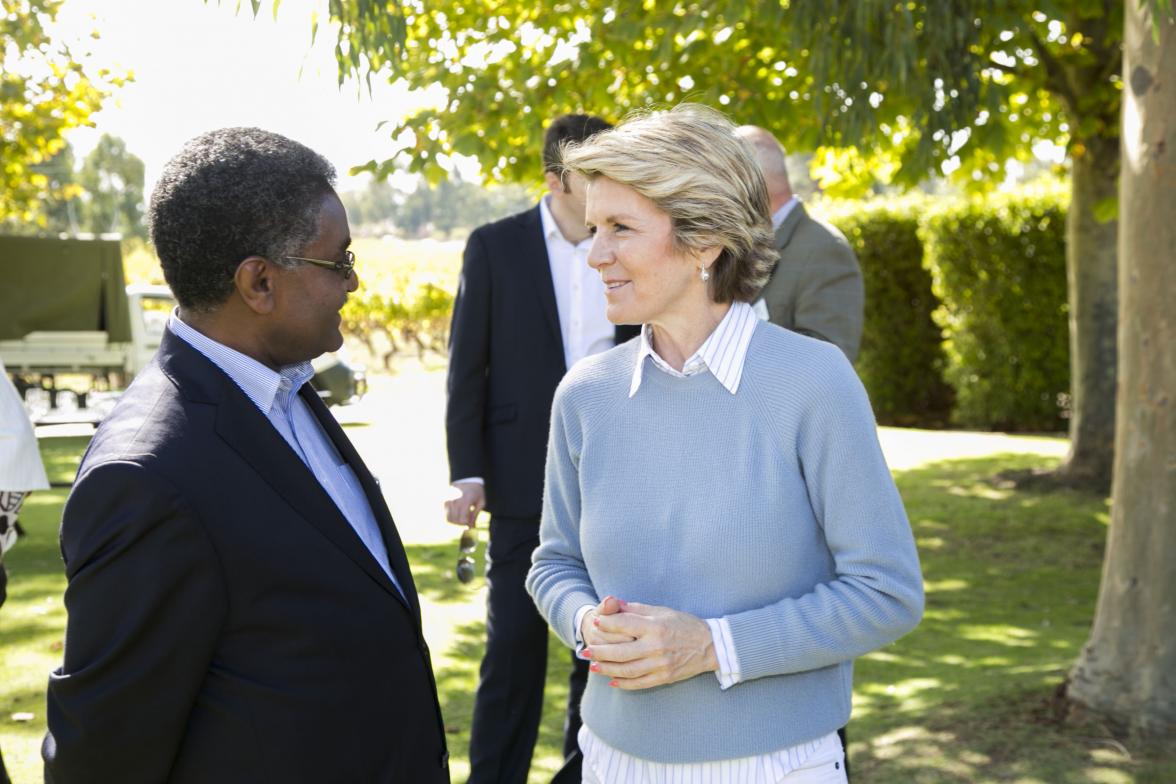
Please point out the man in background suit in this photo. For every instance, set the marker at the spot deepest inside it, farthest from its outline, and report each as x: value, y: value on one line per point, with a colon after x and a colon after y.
x: 527, y: 308
x: 240, y: 605
x: 816, y: 288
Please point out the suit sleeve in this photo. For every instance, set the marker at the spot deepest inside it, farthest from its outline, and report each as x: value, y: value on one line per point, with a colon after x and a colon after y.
x: 145, y: 602
x: 469, y: 358
x: 830, y: 296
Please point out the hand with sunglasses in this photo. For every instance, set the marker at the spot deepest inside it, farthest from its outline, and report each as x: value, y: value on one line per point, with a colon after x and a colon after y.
x: 465, y: 508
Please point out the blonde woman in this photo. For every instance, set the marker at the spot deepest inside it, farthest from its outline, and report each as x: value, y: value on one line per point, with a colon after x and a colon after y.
x: 721, y: 536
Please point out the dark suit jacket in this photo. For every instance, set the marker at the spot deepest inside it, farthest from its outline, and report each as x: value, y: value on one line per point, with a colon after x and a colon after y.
x: 226, y: 624
x: 506, y: 358
x: 816, y: 288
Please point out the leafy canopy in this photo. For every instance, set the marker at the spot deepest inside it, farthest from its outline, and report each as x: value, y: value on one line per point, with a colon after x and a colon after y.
x: 44, y: 91
x: 882, y: 90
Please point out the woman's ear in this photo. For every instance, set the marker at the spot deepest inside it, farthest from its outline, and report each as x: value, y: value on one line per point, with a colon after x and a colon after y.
x: 707, y: 256
x: 254, y: 281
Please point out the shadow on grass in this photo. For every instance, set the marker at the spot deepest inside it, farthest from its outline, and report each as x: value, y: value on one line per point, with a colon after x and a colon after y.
x: 1011, y: 577
x: 433, y: 572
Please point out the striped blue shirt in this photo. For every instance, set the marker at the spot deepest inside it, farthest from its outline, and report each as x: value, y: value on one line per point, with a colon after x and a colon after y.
x: 276, y: 395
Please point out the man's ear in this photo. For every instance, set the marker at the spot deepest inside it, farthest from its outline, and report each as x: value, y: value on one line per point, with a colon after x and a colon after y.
x: 254, y: 281
x: 554, y: 183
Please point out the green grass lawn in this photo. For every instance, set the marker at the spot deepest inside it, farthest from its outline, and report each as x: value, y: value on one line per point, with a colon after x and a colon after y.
x: 1011, y: 583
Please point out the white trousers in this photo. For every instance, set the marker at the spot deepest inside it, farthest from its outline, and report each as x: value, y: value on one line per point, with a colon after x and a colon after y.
x: 825, y: 766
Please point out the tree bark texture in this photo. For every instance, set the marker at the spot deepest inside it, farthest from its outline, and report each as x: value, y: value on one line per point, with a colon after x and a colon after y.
x: 1092, y: 273
x: 1127, y: 671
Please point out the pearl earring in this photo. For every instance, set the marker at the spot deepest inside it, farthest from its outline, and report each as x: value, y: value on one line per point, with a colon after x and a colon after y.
x: 704, y: 274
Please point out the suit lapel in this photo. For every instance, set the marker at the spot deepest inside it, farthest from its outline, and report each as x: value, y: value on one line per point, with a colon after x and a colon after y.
x: 251, y: 435
x: 397, y: 558
x: 537, y: 269
x: 788, y: 227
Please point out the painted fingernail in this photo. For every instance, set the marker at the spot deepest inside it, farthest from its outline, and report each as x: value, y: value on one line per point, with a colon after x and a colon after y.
x: 595, y: 621
x: 594, y: 666
x: 613, y: 683
x: 588, y: 652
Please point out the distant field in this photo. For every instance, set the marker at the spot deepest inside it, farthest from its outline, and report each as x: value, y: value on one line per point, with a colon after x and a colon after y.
x: 384, y: 265
x: 390, y: 265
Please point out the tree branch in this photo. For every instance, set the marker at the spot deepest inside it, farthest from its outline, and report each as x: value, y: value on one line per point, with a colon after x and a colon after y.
x: 1056, y: 78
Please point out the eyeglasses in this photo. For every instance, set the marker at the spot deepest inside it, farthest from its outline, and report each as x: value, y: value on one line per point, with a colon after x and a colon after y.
x: 344, y: 268
x: 465, y: 563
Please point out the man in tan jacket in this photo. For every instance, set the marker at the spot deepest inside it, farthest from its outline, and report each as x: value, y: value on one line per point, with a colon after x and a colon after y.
x: 816, y: 288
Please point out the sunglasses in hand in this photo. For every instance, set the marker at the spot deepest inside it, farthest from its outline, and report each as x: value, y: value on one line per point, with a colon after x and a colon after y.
x: 465, y: 562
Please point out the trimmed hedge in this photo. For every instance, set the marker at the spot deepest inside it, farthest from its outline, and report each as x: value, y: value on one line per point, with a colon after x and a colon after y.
x: 901, y: 361
x: 999, y: 268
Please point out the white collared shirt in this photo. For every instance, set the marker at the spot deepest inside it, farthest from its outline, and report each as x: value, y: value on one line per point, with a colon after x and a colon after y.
x: 722, y: 354
x: 579, y: 299
x: 579, y: 293
x: 275, y: 393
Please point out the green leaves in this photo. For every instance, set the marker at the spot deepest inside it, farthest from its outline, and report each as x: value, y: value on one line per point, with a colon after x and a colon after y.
x: 958, y: 86
x: 43, y: 92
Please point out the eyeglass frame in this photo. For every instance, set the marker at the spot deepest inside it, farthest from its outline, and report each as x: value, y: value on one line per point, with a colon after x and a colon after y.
x: 344, y: 268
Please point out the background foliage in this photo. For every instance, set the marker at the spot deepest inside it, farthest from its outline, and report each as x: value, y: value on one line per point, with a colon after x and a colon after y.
x: 443, y: 208
x: 901, y: 360
x: 999, y: 270
x: 45, y: 89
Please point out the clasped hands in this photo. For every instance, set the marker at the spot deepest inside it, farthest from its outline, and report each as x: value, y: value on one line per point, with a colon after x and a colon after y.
x: 639, y: 646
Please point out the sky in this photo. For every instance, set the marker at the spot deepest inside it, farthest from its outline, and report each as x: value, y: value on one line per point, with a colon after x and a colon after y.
x: 198, y: 66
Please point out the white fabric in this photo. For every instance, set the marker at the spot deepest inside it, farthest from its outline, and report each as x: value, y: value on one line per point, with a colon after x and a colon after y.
x: 579, y: 293
x: 728, y: 672
x: 821, y: 761
x: 579, y: 299
x: 722, y: 353
x: 20, y: 460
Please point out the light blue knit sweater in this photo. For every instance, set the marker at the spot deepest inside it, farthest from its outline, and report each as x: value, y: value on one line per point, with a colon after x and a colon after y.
x: 773, y: 507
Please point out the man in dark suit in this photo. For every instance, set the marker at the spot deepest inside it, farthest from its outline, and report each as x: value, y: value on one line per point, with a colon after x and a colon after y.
x: 240, y: 605
x: 816, y: 287
x: 527, y: 308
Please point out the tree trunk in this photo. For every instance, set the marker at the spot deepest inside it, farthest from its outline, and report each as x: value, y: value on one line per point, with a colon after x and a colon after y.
x: 1092, y: 272
x: 1127, y: 671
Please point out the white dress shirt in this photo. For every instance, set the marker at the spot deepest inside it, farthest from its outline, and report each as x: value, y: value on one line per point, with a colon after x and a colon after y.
x: 579, y: 293
x: 722, y: 354
x: 275, y: 393
x: 579, y: 298
x: 20, y: 459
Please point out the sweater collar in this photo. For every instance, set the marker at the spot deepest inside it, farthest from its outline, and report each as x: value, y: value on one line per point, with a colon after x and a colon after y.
x: 723, y: 353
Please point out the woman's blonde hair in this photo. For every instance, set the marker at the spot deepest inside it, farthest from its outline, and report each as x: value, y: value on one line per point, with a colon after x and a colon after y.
x: 691, y: 165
